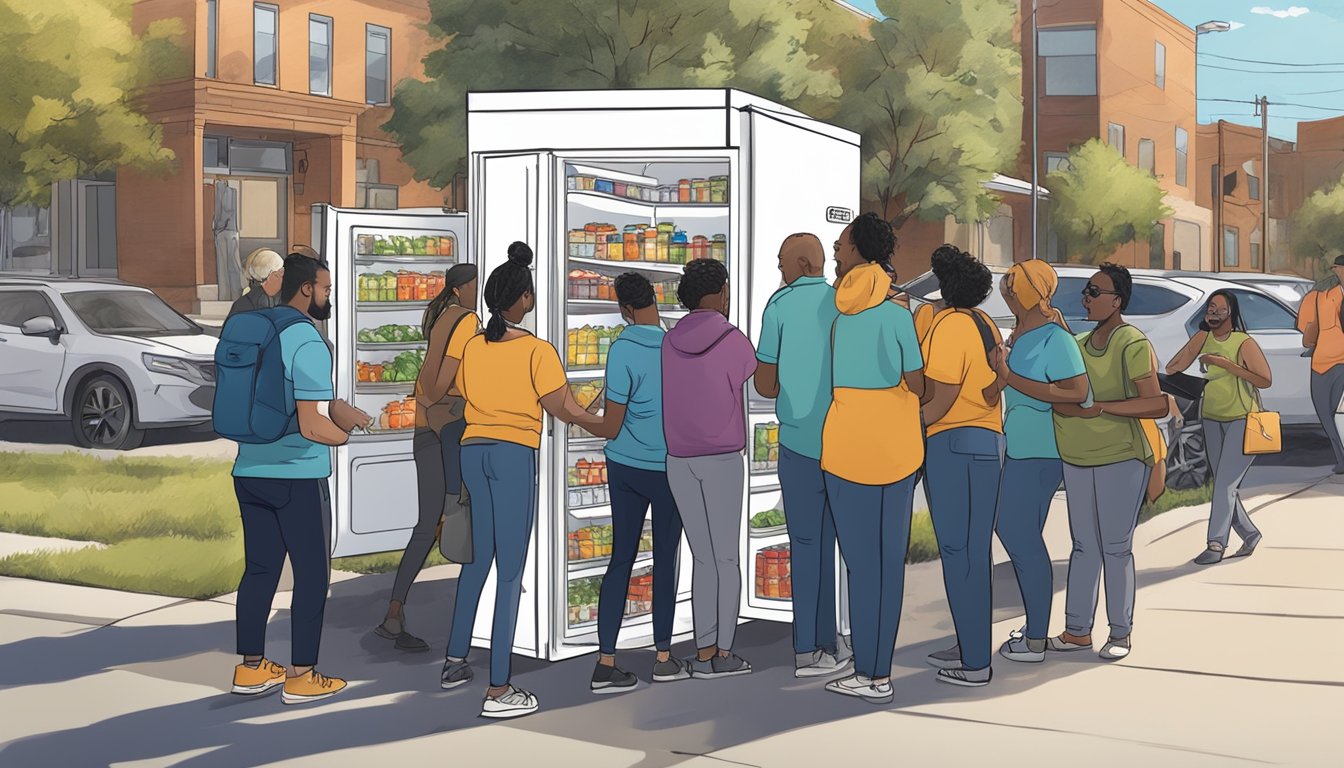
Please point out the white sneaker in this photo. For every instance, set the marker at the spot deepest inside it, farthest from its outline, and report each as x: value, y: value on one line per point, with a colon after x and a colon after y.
x: 1115, y: 648
x: 821, y: 664
x: 515, y: 702
x: 861, y: 687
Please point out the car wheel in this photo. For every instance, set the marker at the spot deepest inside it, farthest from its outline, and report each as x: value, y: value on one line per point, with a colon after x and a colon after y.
x: 103, y: 416
x: 1187, y: 460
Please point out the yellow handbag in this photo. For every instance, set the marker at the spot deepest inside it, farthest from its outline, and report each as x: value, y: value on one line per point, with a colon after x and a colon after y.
x: 1263, y: 433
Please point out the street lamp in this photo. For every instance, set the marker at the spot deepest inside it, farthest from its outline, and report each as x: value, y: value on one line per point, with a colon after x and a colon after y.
x: 1203, y: 29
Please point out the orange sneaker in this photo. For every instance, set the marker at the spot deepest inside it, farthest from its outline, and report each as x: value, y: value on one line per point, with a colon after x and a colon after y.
x: 252, y: 682
x: 310, y: 687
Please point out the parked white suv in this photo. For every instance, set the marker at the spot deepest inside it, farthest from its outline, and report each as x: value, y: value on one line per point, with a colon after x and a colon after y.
x: 111, y: 358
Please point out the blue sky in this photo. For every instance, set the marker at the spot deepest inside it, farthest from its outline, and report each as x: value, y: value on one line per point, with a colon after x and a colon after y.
x: 1298, y: 32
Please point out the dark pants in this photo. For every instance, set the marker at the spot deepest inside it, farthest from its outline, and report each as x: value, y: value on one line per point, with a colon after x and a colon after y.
x: 438, y: 472
x: 872, y: 523
x: 633, y: 491
x: 811, y: 551
x: 502, y: 480
x: 1326, y: 390
x: 283, y: 517
x: 1025, y: 493
x: 963, y: 470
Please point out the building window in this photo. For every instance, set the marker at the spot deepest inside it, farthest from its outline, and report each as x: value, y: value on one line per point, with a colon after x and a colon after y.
x: 215, y: 154
x: 319, y: 55
x: 381, y: 196
x: 1230, y: 242
x: 1182, y: 156
x: 211, y: 37
x: 1255, y: 255
x: 1115, y: 136
x: 265, y: 23
x: 1160, y: 65
x: 1148, y: 156
x: 1055, y: 161
x: 1253, y: 186
x: 1157, y: 247
x: 377, y: 57
x: 1070, y: 61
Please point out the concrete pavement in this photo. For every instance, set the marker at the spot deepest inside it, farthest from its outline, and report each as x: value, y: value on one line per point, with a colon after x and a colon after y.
x: 1232, y: 664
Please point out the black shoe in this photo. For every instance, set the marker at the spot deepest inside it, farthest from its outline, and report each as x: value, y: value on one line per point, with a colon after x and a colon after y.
x: 612, y: 680
x: 395, y: 629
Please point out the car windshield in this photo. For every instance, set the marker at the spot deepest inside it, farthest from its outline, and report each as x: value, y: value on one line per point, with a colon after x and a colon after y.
x: 129, y: 313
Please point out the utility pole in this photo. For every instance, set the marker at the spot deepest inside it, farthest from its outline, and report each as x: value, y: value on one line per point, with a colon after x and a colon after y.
x: 1264, y: 184
x: 1218, y: 205
x: 1035, y: 144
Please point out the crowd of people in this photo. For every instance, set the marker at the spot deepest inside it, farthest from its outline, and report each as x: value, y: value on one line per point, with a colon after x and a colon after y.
x: 872, y: 400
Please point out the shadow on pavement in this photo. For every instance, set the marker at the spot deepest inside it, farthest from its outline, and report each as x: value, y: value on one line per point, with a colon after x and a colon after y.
x: 55, y: 432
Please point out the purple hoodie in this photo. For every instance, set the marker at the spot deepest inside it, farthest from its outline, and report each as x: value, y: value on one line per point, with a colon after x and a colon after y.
x: 706, y: 362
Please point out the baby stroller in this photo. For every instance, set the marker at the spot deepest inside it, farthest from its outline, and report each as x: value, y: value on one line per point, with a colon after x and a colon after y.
x: 1187, y: 459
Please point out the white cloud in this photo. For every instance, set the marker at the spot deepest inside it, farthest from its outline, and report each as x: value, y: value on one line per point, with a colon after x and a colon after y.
x: 1288, y: 13
x: 1236, y: 25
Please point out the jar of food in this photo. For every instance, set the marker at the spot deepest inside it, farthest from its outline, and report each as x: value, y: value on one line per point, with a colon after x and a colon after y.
x: 631, y: 245
x: 718, y: 248
x: 699, y: 247
x: 650, y: 250
x: 422, y: 288
x: 615, y: 246
x: 619, y: 189
x: 684, y: 191
x: 665, y: 230
x: 677, y: 249
x: 718, y: 189
x: 604, y: 186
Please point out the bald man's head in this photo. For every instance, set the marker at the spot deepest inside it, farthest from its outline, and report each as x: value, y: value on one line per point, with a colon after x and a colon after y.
x: 801, y: 255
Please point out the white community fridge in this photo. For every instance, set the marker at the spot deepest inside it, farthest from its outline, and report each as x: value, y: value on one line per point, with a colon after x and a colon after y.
x: 602, y: 182
x: 385, y: 267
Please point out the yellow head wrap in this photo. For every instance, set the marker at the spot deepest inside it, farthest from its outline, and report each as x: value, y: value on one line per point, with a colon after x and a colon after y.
x: 1034, y: 285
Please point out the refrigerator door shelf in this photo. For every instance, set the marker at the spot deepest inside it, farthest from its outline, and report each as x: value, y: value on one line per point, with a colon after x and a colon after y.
x: 428, y: 261
x: 385, y: 388
x: 589, y: 373
x: 595, y: 512
x: 597, y: 566
x: 389, y: 306
x: 617, y: 267
x: 625, y: 206
x: 604, y: 307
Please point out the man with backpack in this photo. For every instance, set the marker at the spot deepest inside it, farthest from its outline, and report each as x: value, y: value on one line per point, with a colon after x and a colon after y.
x: 274, y: 397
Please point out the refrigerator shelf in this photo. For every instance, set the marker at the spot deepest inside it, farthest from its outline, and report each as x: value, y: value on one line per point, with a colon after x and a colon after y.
x: 389, y: 306
x: 576, y: 374
x: 597, y: 566
x: 632, y: 619
x: 766, y: 488
x: 773, y: 532
x: 764, y: 469
x: 596, y: 512
x: 384, y: 387
x: 587, y: 443
x: 604, y: 307
x: 397, y: 346
x: 404, y: 258
x: 625, y: 266
x: 382, y: 436
x: 601, y: 201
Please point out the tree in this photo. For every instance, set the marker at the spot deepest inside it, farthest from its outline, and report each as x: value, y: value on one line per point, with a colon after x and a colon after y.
x: 1099, y: 202
x: 769, y: 47
x: 1318, y: 227
x: 72, y: 70
x: 937, y: 97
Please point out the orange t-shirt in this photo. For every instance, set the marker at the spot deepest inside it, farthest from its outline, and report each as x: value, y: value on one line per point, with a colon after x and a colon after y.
x: 1321, y: 308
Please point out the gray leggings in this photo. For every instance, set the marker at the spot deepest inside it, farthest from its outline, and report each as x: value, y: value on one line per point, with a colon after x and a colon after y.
x: 1103, y: 512
x: 708, y: 491
x: 1326, y: 390
x: 1223, y: 441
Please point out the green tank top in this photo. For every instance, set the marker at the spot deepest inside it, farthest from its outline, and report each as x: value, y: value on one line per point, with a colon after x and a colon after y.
x: 1226, y: 397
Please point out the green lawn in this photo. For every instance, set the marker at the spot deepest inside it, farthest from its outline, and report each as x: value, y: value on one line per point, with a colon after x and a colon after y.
x: 170, y: 526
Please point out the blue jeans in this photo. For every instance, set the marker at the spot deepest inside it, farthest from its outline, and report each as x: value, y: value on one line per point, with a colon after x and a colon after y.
x: 1025, y: 493
x: 283, y: 517
x: 811, y: 551
x: 963, y: 471
x: 633, y: 491
x: 872, y: 523
x: 502, y: 480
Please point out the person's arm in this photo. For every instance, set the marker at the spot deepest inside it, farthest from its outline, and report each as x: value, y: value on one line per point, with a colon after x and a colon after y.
x: 436, y: 380
x: 1070, y: 391
x: 612, y: 419
x: 1139, y: 363
x: 1307, y: 320
x: 915, y: 382
x: 322, y: 418
x: 549, y: 381
x: 767, y: 379
x: 1188, y: 353
x: 561, y: 404
x: 1254, y: 368
x: 316, y: 427
x: 992, y: 392
x: 939, y: 397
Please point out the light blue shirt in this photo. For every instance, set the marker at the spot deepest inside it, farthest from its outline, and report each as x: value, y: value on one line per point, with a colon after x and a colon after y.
x: 1047, y: 354
x: 635, y: 380
x: 307, y: 377
x: 796, y: 337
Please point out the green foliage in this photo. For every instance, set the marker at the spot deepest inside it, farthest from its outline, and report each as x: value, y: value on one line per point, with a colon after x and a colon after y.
x: 1099, y: 202
x: 779, y: 49
x: 71, y: 70
x: 937, y: 97
x: 1318, y: 227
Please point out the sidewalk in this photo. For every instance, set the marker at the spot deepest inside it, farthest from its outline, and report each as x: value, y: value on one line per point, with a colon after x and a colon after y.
x: 1231, y: 664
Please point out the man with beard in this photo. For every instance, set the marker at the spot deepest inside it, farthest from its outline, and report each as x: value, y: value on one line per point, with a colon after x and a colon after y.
x: 284, y: 500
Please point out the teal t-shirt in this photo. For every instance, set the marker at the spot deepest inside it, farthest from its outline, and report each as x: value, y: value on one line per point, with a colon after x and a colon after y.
x: 307, y: 377
x: 1046, y: 354
x: 796, y: 337
x: 874, y: 348
x: 635, y: 380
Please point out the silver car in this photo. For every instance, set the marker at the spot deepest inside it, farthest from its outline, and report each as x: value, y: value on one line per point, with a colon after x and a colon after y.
x: 113, y: 359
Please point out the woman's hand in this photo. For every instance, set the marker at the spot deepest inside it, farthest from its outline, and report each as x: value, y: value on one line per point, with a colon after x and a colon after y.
x: 1078, y: 411
x: 1215, y: 359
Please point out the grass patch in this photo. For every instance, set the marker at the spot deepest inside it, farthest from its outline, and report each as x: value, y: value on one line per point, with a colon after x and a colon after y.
x: 1175, y: 500
x: 170, y: 525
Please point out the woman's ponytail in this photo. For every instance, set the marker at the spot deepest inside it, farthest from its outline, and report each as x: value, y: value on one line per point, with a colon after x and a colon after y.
x: 507, y: 284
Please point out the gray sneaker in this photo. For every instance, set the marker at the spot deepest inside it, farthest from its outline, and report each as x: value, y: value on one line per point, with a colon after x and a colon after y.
x: 720, y: 666
x: 1115, y: 648
x: 969, y: 678
x: 671, y: 670
x: 820, y: 664
x: 861, y: 687
x: 455, y: 673
x: 1248, y: 545
x: 612, y: 680
x: 1213, y: 554
x: 946, y: 659
x: 514, y: 702
x: 1019, y: 648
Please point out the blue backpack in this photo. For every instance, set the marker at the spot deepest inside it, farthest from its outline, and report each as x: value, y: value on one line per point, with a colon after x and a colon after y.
x: 252, y: 404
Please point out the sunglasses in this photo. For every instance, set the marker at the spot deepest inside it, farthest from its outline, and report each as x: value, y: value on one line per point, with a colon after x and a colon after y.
x: 1093, y: 291
x: 1216, y: 313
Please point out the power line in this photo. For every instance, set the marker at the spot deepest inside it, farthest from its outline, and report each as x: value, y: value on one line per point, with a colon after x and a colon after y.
x: 1277, y: 103
x: 1273, y: 63
x: 1317, y: 93
x: 1275, y: 71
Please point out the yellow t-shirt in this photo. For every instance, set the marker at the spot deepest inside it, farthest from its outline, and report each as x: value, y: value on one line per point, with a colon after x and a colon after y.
x: 1322, y: 309
x: 923, y: 321
x: 954, y: 354
x: 503, y: 383
x: 468, y: 326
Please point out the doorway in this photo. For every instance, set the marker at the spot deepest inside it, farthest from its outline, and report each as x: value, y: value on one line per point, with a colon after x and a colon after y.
x: 263, y: 214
